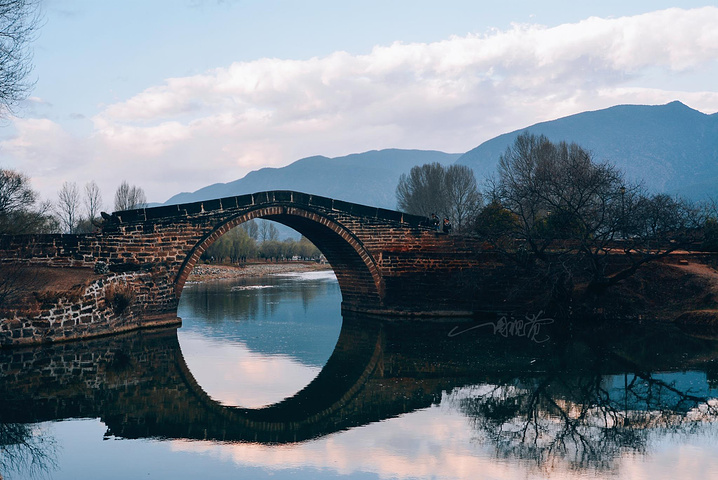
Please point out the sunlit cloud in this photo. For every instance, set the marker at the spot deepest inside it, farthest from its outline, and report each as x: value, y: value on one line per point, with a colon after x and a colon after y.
x: 449, y: 95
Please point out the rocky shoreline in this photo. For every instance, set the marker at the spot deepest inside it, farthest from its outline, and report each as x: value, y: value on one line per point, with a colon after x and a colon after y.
x: 208, y: 272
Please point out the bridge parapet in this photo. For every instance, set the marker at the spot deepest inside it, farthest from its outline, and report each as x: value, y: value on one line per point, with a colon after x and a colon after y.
x: 232, y: 204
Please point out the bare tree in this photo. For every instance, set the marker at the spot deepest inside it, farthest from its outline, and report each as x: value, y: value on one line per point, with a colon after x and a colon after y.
x: 67, y: 207
x: 446, y: 191
x: 251, y: 228
x: 462, y: 195
x: 93, y: 200
x: 557, y: 192
x: 15, y: 191
x: 710, y: 225
x: 570, y: 213
x: 129, y: 197
x: 421, y: 192
x: 268, y: 232
x: 20, y: 211
x: 273, y: 233
x: 18, y: 22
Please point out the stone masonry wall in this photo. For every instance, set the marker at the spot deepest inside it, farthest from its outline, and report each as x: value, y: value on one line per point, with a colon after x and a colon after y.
x: 109, y: 305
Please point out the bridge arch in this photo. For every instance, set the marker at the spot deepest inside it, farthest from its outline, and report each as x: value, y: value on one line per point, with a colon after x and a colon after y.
x: 357, y: 271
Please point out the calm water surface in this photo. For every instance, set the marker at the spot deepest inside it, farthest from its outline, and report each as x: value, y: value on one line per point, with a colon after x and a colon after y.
x: 266, y: 379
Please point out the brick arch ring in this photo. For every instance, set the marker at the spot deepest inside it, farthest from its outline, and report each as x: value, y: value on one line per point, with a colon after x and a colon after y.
x: 356, y: 269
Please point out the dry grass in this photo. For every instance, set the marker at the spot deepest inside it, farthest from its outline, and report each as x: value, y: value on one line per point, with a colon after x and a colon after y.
x: 29, y: 288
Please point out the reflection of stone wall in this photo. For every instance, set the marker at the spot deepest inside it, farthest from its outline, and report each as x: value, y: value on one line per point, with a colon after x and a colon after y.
x: 87, y: 379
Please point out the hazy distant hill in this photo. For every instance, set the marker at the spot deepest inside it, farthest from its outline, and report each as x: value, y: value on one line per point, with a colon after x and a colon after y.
x: 672, y: 147
x: 368, y: 178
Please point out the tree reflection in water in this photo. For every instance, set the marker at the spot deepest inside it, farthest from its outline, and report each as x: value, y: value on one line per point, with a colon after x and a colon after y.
x: 26, y: 449
x: 588, y: 419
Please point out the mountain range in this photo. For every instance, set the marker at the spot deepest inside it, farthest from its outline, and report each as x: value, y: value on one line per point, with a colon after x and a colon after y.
x: 670, y: 148
x: 368, y: 178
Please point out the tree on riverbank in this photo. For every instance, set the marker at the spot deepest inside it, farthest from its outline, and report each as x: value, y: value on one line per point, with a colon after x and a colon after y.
x: 564, y: 217
x: 233, y: 247
x: 289, y: 249
x: 243, y: 243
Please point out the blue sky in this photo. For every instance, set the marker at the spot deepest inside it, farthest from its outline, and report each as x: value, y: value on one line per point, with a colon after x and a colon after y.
x: 173, y: 96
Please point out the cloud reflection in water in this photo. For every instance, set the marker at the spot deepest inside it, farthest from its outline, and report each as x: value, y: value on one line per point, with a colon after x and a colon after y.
x: 234, y: 375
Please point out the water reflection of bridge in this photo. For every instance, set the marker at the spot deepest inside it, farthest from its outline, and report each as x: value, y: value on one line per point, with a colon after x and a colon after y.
x: 139, y: 384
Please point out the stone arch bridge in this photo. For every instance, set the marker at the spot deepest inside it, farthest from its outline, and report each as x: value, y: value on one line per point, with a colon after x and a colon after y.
x: 386, y: 262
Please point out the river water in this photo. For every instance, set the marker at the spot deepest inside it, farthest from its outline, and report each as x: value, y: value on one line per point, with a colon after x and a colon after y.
x: 266, y: 379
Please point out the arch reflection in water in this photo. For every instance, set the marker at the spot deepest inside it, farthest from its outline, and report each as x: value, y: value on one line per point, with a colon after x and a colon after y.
x: 254, y: 341
x: 583, y: 401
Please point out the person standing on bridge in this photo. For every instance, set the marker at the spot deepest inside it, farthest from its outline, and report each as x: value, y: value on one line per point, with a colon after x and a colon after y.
x: 435, y: 221
x: 447, y: 226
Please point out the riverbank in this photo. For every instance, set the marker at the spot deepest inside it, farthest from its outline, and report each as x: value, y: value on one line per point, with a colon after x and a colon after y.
x: 42, y: 304
x: 682, y: 291
x: 208, y: 272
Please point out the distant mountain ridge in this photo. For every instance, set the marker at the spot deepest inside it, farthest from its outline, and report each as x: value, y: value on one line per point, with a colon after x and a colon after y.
x: 671, y: 148
x: 368, y: 178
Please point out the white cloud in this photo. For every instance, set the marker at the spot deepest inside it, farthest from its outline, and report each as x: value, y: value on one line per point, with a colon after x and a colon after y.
x: 44, y: 150
x: 449, y: 95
